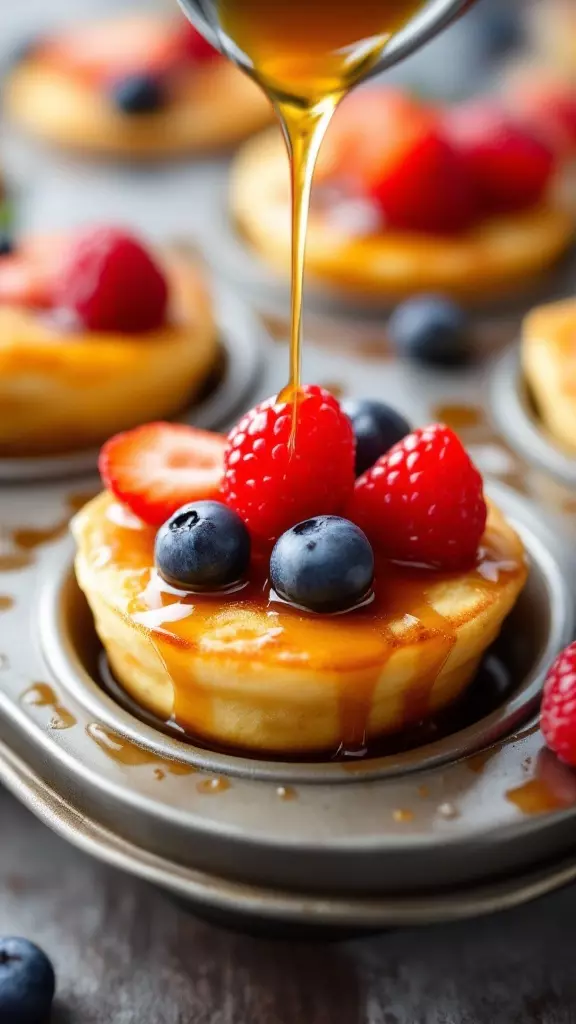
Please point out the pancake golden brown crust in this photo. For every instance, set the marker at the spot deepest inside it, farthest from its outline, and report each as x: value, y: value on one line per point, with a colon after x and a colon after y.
x: 499, y: 257
x: 216, y: 107
x: 61, y: 392
x: 239, y: 672
x: 549, y: 363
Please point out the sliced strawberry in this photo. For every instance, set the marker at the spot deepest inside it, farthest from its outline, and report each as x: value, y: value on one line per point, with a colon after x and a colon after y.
x: 157, y: 468
x: 390, y: 149
x: 509, y: 166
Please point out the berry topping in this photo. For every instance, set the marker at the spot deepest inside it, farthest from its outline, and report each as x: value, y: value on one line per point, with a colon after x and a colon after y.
x: 558, y: 715
x: 395, y: 153
x: 204, y: 545
x: 376, y: 428
x: 510, y: 167
x: 547, y: 105
x: 109, y: 282
x: 27, y: 983
x: 138, y: 94
x: 115, y: 48
x: 324, y: 564
x: 422, y: 502
x: 194, y: 46
x: 272, y: 484
x: 431, y: 329
x: 157, y: 468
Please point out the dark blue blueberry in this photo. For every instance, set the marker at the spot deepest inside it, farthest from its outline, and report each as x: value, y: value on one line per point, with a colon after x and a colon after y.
x: 6, y: 243
x: 324, y: 564
x: 138, y: 94
x: 376, y: 427
x: 27, y: 983
x: 203, y: 546
x: 431, y: 329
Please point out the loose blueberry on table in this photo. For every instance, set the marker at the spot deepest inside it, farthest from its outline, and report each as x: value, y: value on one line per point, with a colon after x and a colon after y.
x: 27, y: 983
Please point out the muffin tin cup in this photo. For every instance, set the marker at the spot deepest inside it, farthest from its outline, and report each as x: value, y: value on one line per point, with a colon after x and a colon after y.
x: 517, y: 422
x: 241, y: 344
x: 416, y: 836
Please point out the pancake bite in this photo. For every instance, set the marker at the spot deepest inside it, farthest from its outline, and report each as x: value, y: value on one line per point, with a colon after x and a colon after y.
x: 135, y: 87
x: 549, y: 364
x: 412, y: 199
x: 97, y: 334
x: 259, y: 596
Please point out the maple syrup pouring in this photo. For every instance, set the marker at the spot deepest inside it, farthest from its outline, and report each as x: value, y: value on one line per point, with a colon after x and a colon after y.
x: 306, y: 56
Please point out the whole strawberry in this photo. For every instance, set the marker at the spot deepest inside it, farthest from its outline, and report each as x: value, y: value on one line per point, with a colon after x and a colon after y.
x: 273, y: 484
x: 422, y: 502
x: 558, y: 715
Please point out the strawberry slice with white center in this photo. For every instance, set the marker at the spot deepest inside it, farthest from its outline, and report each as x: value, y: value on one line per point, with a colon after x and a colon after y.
x: 157, y: 468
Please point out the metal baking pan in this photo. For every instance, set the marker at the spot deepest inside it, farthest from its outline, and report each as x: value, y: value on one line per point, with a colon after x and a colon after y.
x: 517, y: 421
x: 449, y: 817
x: 242, y: 347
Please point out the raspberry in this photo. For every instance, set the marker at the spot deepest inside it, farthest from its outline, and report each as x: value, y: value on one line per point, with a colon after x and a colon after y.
x: 558, y: 715
x: 109, y: 282
x: 422, y: 502
x: 273, y: 486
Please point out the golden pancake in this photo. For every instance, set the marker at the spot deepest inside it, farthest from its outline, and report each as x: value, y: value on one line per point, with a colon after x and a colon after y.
x: 65, y: 390
x: 496, y: 258
x: 244, y: 672
x: 549, y: 363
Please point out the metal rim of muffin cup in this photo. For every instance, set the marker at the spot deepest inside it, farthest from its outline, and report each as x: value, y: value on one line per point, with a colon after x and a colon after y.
x: 518, y: 423
x: 242, y: 341
x: 59, y: 597
x: 242, y: 834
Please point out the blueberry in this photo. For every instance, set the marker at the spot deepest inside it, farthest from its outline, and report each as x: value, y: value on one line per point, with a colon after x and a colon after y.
x: 431, y: 329
x: 204, y: 546
x: 324, y: 564
x: 6, y: 243
x: 376, y: 427
x: 138, y: 94
x: 27, y: 983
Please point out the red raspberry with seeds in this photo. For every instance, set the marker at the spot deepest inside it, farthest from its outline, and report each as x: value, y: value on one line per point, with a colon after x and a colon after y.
x: 109, y: 282
x: 422, y: 502
x: 558, y: 715
x: 273, y: 486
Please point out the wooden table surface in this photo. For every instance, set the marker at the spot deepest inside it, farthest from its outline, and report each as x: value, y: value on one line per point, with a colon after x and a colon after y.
x: 125, y: 954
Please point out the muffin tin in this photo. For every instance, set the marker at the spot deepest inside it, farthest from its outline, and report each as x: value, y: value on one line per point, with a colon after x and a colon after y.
x: 478, y: 816
x: 518, y: 422
x: 226, y: 389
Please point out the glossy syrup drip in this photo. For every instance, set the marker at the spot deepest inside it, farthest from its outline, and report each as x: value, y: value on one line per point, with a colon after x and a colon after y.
x: 306, y: 56
x: 551, y: 786
x: 123, y: 751
x: 192, y: 635
x: 211, y: 787
x: 42, y: 695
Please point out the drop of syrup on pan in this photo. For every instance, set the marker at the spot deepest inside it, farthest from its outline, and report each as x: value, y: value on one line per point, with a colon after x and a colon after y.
x: 41, y: 695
